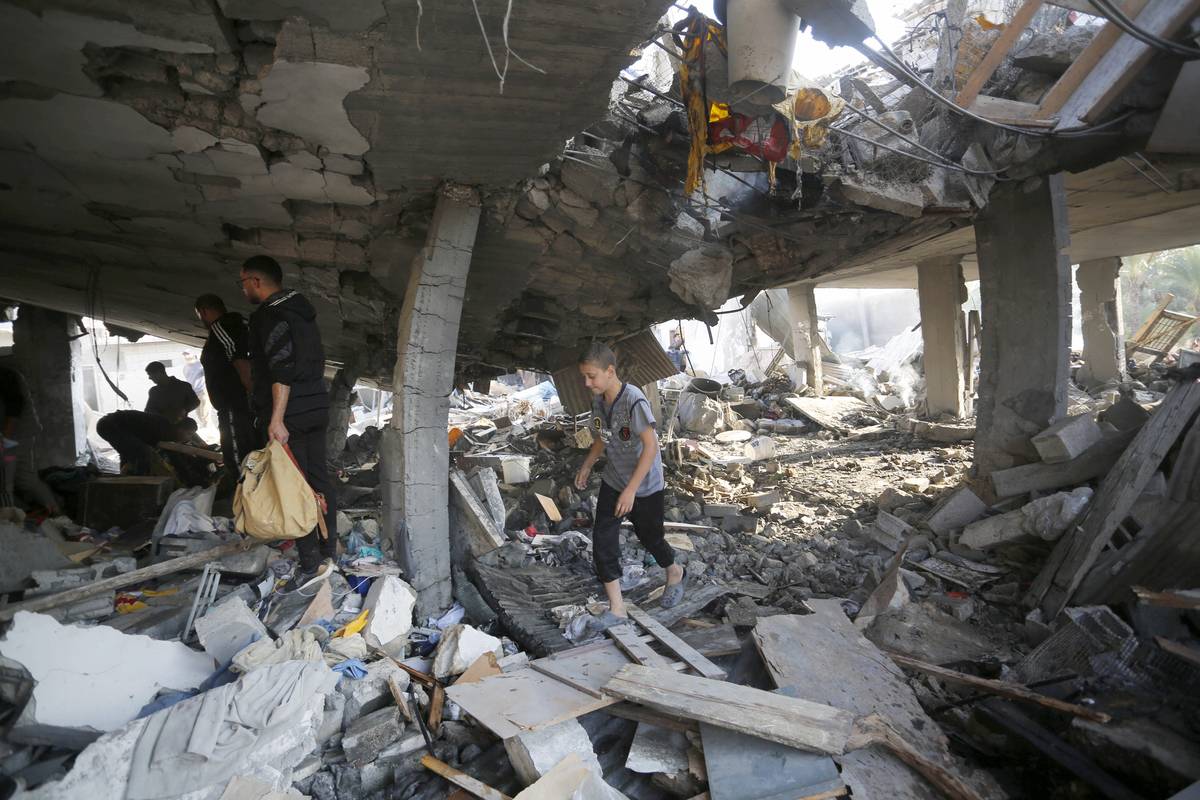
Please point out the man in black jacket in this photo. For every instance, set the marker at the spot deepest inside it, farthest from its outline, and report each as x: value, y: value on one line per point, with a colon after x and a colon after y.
x: 169, y: 397
x: 226, y: 362
x: 135, y: 436
x: 289, y: 398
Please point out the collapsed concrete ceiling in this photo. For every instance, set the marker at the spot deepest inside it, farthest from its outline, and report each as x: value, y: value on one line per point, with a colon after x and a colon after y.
x: 146, y: 148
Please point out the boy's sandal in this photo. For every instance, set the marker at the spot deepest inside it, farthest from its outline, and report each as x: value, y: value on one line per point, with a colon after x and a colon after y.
x: 673, y: 594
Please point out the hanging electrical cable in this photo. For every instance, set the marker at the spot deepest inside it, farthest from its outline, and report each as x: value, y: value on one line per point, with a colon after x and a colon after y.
x: 1116, y: 16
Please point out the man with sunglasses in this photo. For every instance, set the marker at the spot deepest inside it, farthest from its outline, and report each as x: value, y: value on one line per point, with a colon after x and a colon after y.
x: 289, y: 397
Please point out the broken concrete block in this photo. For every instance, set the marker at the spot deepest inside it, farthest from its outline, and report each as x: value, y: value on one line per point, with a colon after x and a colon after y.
x: 699, y: 414
x: 656, y: 749
x: 891, y: 499
x: 367, y: 736
x: 956, y: 510
x: 916, y: 485
x: 889, y: 530
x: 26, y: 551
x: 92, y: 680
x: 332, y: 721
x: 943, y: 432
x: 391, y: 602
x: 959, y: 606
x: 1046, y: 518
x: 229, y: 627
x: 1067, y: 438
x: 535, y: 753
x: 717, y: 510
x: 459, y: 647
x: 571, y: 778
x: 899, y: 198
x: 372, y: 692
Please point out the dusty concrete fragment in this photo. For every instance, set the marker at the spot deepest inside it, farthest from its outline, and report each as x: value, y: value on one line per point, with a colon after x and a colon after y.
x: 228, y: 628
x: 899, y: 198
x: 571, y: 778
x: 700, y: 414
x: 656, y: 749
x: 1067, y: 438
x: 24, y: 552
x: 1046, y: 518
x: 1053, y: 53
x: 701, y: 277
x: 306, y: 99
x: 367, y: 736
x: 889, y: 530
x: 535, y: 753
x: 956, y: 510
x: 925, y: 632
x: 459, y: 647
x: 391, y: 602
x: 91, y: 680
x: 372, y: 692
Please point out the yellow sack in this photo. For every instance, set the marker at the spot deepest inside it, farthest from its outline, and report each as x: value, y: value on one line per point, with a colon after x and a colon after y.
x: 273, y: 499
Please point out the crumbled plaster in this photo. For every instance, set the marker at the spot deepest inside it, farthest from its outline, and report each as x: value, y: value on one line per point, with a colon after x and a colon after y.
x: 306, y: 99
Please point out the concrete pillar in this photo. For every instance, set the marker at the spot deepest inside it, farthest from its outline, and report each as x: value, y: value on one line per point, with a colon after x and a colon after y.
x: 1100, y: 317
x: 414, y: 453
x: 1025, y: 292
x: 48, y: 356
x: 942, y: 292
x: 806, y: 339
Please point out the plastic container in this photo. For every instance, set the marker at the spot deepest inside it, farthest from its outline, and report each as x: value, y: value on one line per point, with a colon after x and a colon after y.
x: 761, y: 36
x: 760, y: 448
x: 705, y: 386
x: 516, y: 469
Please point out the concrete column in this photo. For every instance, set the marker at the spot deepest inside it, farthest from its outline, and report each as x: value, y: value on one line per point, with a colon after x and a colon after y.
x: 1025, y: 291
x: 414, y: 452
x: 806, y: 339
x: 48, y: 356
x: 1100, y: 316
x: 942, y: 292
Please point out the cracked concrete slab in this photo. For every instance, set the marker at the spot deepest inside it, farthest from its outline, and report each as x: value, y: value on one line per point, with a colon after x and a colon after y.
x: 307, y: 99
x: 349, y: 15
x: 47, y: 50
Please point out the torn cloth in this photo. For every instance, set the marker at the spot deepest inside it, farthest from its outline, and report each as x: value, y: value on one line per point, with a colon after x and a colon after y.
x: 205, y: 740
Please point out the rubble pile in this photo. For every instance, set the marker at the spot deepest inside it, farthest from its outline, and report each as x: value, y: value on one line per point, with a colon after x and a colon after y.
x: 857, y: 600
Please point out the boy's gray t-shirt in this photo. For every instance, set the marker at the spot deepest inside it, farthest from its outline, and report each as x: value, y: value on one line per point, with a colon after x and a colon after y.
x: 621, y: 428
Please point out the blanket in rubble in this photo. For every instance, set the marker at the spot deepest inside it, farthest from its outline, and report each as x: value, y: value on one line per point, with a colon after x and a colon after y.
x: 204, y: 740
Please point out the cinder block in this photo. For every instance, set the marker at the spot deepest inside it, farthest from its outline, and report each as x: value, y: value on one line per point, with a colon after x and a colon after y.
x: 1067, y: 438
x: 368, y: 736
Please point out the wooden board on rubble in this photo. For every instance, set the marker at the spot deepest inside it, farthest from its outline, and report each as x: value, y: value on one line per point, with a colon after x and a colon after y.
x: 827, y: 660
x: 832, y: 413
x: 525, y: 700
x: 585, y: 668
x: 790, y: 721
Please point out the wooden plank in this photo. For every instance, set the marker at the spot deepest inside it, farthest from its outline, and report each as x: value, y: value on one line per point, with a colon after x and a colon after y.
x: 462, y: 779
x: 1100, y: 44
x: 1077, y: 551
x: 1012, y: 691
x: 1008, y: 37
x: 525, y: 700
x: 585, y: 668
x: 680, y: 648
x: 149, y: 573
x: 436, y: 705
x: 875, y: 730
x: 635, y: 648
x: 831, y: 412
x: 798, y: 723
x: 1190, y: 600
x: 1009, y: 112
x: 550, y: 507
x: 1122, y: 63
x: 635, y: 713
x: 694, y: 600
x: 191, y: 450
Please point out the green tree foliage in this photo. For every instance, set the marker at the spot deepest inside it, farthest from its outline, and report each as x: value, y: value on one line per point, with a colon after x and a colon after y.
x: 1147, y: 278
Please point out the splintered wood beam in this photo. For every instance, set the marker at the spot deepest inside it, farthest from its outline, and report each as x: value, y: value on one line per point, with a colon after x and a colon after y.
x: 1010, y: 690
x: 995, y: 56
x: 462, y: 779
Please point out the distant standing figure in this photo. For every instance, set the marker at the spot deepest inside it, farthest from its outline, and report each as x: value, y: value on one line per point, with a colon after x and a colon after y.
x: 169, y: 396
x: 676, y: 352
x: 289, y: 397
x: 226, y: 362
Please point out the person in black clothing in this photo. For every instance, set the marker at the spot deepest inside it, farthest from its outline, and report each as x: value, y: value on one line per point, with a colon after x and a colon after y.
x: 289, y: 397
x: 169, y: 396
x: 135, y: 436
x: 226, y: 362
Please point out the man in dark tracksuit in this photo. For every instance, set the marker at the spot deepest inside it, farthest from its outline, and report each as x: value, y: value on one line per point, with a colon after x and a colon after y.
x: 169, y: 397
x: 290, y: 400
x: 226, y: 362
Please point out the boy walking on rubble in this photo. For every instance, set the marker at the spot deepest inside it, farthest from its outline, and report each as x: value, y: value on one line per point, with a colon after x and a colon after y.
x: 632, y: 482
